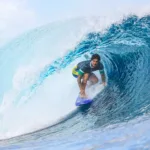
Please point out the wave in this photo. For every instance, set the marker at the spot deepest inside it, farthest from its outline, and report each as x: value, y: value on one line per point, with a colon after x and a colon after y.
x: 34, y: 85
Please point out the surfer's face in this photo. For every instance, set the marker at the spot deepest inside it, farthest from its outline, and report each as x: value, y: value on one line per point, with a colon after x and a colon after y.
x: 94, y: 62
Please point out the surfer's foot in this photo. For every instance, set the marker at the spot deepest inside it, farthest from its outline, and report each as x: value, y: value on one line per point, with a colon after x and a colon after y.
x: 83, y: 95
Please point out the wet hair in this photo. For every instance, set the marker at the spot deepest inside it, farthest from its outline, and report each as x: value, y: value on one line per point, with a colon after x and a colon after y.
x: 95, y: 56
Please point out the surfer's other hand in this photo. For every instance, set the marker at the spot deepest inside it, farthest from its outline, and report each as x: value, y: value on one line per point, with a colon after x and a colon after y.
x: 104, y: 83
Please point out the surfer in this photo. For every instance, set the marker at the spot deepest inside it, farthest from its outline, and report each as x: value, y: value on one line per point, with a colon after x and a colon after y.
x: 84, y: 72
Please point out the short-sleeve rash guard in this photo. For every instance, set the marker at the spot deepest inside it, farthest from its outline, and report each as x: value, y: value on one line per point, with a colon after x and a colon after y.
x: 85, y: 67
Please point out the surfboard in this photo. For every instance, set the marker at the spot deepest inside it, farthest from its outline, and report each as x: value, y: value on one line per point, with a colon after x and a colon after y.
x: 91, y: 92
x: 82, y: 101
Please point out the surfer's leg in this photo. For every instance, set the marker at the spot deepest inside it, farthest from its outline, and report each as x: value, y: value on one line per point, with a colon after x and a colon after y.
x: 84, y: 83
x: 93, y: 79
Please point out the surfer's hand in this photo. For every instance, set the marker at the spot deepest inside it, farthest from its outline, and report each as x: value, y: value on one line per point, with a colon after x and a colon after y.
x: 104, y: 83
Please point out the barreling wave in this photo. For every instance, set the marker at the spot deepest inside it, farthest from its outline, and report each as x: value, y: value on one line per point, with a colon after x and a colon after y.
x: 125, y: 52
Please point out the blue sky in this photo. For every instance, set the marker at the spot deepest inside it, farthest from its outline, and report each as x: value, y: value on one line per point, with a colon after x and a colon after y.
x: 18, y: 16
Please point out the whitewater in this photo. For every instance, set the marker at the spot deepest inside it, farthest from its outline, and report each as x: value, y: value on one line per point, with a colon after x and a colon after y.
x: 38, y: 91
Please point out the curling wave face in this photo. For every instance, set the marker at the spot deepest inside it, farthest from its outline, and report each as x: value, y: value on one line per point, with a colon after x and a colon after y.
x: 37, y: 84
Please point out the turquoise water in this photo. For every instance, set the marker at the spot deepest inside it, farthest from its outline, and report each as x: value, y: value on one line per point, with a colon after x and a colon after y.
x: 38, y: 92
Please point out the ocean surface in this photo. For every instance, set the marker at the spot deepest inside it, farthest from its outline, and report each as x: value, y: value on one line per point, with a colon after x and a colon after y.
x: 38, y: 91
